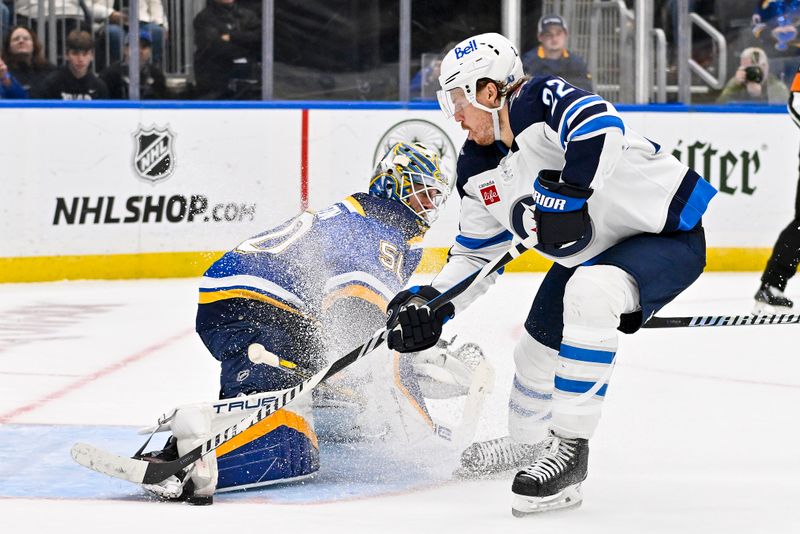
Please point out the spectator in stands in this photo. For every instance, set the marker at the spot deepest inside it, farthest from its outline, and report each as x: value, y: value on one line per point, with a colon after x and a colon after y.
x: 752, y: 81
x: 74, y: 81
x: 9, y: 86
x: 24, y: 54
x: 425, y: 82
x: 153, y: 20
x: 228, y: 46
x: 152, y: 83
x: 79, y: 14
x: 551, y: 57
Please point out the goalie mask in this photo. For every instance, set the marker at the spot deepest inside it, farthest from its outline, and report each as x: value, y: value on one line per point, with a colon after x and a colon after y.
x: 409, y: 173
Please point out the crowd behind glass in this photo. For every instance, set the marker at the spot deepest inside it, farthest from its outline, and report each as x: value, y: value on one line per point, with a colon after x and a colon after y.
x: 340, y: 50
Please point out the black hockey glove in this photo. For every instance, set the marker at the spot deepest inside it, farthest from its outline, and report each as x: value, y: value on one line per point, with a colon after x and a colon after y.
x: 411, y: 326
x: 561, y: 214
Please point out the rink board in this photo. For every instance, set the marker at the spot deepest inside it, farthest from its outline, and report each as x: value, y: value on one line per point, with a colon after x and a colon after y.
x: 129, y: 190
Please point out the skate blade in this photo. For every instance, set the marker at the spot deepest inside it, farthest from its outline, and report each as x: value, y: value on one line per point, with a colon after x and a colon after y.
x: 569, y: 497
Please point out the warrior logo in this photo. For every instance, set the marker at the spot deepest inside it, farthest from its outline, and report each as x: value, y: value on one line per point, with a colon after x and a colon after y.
x: 153, y: 156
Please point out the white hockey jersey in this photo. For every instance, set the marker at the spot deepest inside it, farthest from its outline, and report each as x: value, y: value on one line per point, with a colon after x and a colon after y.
x: 638, y: 188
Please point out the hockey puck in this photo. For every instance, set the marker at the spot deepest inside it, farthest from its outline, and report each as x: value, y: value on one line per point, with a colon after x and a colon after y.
x: 200, y: 500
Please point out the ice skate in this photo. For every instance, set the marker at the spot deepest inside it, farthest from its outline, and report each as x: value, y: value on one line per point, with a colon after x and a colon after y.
x: 178, y: 487
x: 770, y: 299
x: 553, y: 481
x: 486, y: 458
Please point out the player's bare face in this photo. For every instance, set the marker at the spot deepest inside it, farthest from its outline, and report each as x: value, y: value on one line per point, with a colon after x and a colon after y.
x: 477, y: 122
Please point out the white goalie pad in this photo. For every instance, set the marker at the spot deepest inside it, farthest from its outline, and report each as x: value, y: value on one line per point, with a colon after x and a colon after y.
x: 376, y: 401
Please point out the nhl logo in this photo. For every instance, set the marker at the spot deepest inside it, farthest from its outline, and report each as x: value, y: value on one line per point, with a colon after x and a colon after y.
x: 153, y: 157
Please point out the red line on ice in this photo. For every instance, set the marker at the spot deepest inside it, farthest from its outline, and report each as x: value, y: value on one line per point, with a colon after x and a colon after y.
x: 88, y: 379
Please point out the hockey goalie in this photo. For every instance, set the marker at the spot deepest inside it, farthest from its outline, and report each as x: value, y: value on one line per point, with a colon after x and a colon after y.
x: 272, y: 308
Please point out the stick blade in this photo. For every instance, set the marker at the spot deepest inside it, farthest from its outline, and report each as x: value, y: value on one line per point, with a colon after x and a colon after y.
x: 482, y: 385
x: 109, y: 464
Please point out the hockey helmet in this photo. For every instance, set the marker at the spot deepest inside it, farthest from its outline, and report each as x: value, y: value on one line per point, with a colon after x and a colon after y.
x: 488, y: 55
x: 410, y: 173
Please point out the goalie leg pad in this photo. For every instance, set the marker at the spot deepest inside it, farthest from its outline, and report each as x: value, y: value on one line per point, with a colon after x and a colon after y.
x: 192, y: 425
x: 281, y: 448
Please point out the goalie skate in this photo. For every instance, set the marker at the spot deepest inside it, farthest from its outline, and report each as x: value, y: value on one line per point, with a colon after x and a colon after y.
x: 497, y: 455
x: 177, y: 487
x: 553, y: 481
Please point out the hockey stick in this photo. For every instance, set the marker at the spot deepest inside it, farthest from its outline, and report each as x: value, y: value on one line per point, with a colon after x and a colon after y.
x: 721, y: 320
x: 482, y: 385
x: 256, y: 353
x: 143, y: 472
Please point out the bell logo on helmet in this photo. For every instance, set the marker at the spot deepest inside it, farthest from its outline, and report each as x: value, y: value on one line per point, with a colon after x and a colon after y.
x: 463, y: 51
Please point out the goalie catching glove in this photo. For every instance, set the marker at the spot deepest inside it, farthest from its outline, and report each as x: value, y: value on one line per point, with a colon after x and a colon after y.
x: 444, y: 372
x: 412, y: 327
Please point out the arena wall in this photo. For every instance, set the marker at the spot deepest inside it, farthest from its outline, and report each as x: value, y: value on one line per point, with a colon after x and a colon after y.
x: 127, y: 190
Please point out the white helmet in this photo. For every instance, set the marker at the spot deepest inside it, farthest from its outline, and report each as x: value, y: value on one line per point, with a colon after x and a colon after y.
x: 488, y: 55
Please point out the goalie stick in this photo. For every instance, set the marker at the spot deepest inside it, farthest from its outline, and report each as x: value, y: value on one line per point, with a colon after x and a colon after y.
x: 143, y: 472
x: 721, y: 320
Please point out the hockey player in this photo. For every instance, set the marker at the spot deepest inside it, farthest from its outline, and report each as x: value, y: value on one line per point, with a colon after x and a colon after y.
x: 316, y: 284
x: 782, y: 264
x: 620, y: 217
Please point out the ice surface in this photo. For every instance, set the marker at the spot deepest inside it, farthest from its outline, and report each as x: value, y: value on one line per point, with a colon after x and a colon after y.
x: 699, y: 430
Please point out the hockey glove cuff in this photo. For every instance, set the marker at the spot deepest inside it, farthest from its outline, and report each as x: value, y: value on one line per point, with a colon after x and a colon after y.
x: 561, y: 214
x: 412, y: 326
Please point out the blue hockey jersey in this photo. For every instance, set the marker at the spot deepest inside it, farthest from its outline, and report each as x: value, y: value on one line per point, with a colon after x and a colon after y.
x: 363, y: 247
